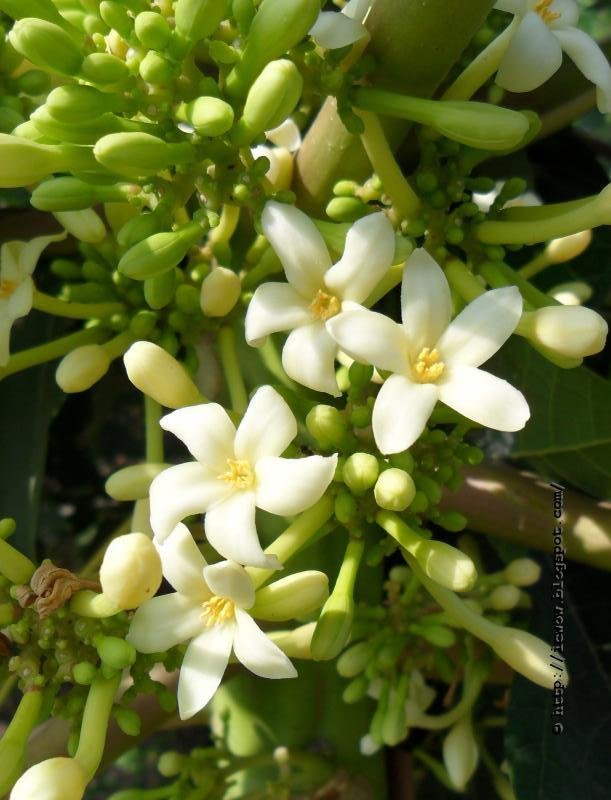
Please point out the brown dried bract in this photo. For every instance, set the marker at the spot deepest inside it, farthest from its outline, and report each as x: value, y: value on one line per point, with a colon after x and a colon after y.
x: 53, y: 586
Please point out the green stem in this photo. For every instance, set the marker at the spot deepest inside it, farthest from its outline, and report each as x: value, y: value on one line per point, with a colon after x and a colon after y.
x: 268, y: 264
x: 405, y: 201
x: 153, y: 431
x: 7, y: 687
x: 393, y: 278
x: 117, y: 346
x: 64, y: 308
x: 475, y: 676
x: 271, y: 359
x: 95, y: 723
x: 14, y: 565
x: 407, y: 538
x: 231, y: 368
x: 52, y: 350
x: 14, y: 740
x: 230, y: 216
x: 344, y: 585
x: 463, y: 281
x: 535, y: 266
x: 499, y: 275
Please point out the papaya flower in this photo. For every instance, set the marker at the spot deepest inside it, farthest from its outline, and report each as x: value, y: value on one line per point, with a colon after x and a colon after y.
x: 209, y: 609
x: 333, y: 29
x: 284, y: 142
x: 433, y: 359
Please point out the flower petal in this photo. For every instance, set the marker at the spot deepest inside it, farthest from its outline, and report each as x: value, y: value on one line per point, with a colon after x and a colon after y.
x: 298, y: 245
x: 206, y: 430
x: 5, y: 337
x: 228, y: 579
x: 183, y: 564
x: 203, y: 668
x: 511, y: 6
x: 484, y: 398
x: 481, y: 328
x: 426, y: 303
x: 257, y: 652
x: 400, y: 413
x: 21, y: 300
x: 308, y: 357
x: 357, y: 9
x: 371, y: 338
x: 32, y: 250
x: 165, y: 621
x: 590, y: 60
x: 274, y: 307
x: 180, y: 491
x: 333, y: 30
x: 286, y: 486
x: 267, y: 428
x: 533, y: 56
x: 230, y: 528
x: 569, y: 13
x: 367, y: 257
x: 287, y: 135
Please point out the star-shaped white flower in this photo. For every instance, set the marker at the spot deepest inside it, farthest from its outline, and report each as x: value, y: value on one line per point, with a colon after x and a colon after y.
x: 235, y: 472
x: 546, y: 29
x: 208, y: 608
x: 317, y: 290
x: 333, y: 30
x: 17, y: 263
x: 432, y: 358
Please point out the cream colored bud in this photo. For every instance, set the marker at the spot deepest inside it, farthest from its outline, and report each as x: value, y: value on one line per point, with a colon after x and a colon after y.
x: 394, y: 489
x: 522, y: 572
x: 460, y: 753
x: 295, y: 643
x: 446, y: 565
x: 504, y: 598
x: 53, y: 779
x: 220, y: 292
x: 571, y: 331
x: 82, y: 368
x: 131, y: 570
x: 572, y: 293
x: 568, y: 247
x: 291, y: 597
x: 157, y: 374
x: 528, y: 655
x: 132, y: 483
x: 280, y: 172
x: 84, y: 225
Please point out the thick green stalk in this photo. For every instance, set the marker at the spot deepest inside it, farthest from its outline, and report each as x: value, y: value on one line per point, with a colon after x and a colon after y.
x: 64, y: 308
x: 52, y: 350
x: 15, y: 738
x: 95, y: 723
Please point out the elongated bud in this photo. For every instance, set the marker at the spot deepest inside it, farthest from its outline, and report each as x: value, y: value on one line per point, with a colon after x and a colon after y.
x: 295, y: 643
x: 446, y: 565
x: 156, y: 69
x: 333, y: 627
x: 46, y: 45
x: 210, y: 116
x: 115, y: 652
x: 159, y: 253
x: 522, y: 572
x: 37, y: 9
x: 528, y: 655
x: 71, y: 194
x: 53, y: 779
x: 85, y: 225
x: 159, y: 291
x: 138, y: 155
x: 292, y: 597
x: 131, y: 570
x: 132, y: 483
x: 82, y: 368
x: 504, y: 597
x: 116, y: 16
x: 104, y: 69
x: 74, y: 103
x: 152, y: 30
x: 277, y: 26
x: 138, y: 228
x: 460, y: 753
x: 394, y: 489
x: 571, y: 331
x: 271, y: 99
x: 360, y: 472
x: 568, y: 247
x: 220, y: 292
x: 326, y: 424
x: 23, y: 161
x: 156, y: 373
x: 571, y: 293
x: 354, y: 660
x: 198, y: 19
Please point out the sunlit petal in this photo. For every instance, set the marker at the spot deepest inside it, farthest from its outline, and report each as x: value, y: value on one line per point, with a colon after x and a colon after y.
x: 163, y: 622
x: 371, y: 338
x: 400, y: 413
x: 206, y: 430
x: 183, y: 564
x: 426, y: 304
x: 268, y: 427
x: 275, y: 307
x: 533, y: 56
x: 308, y: 357
x: 228, y: 579
x: 257, y: 652
x: 203, y: 668
x: 286, y: 486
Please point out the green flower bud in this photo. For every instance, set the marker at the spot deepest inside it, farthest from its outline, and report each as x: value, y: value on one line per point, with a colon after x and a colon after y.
x: 327, y: 426
x: 128, y: 720
x: 446, y: 565
x: 437, y: 635
x: 82, y: 368
x: 522, y: 572
x: 130, y: 572
x: 354, y: 660
x: 210, y: 116
x: 394, y: 489
x: 198, y: 19
x: 104, y: 68
x: 138, y: 155
x: 46, y: 45
x: 570, y: 331
x: 152, y: 30
x: 156, y: 69
x: 294, y: 643
x: 394, y: 723
x: 292, y: 597
x: 171, y: 763
x: 360, y: 472
x: 277, y: 26
x: 115, y: 652
x: 116, y: 16
x: 36, y: 9
x: 356, y: 690
x: 452, y: 521
x: 460, y: 753
x: 504, y: 597
x: 220, y: 292
x: 23, y: 162
x: 404, y: 461
x: 54, y: 779
x: 85, y: 225
x: 333, y: 627
x: 157, y: 374
x: 527, y: 654
x: 159, y: 253
x: 84, y: 672
x: 346, y: 209
x: 72, y: 194
x: 132, y: 483
x: 159, y: 291
x: 142, y: 226
x: 270, y: 100
x: 345, y: 507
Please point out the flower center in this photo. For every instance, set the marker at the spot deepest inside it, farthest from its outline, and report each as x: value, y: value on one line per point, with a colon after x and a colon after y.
x: 324, y: 306
x: 428, y: 367
x: 217, y: 610
x: 239, y: 474
x: 542, y: 8
x: 7, y: 288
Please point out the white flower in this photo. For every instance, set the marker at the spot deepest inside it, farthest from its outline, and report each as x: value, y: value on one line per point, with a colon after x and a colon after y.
x: 208, y: 608
x: 316, y: 289
x: 432, y: 358
x: 17, y: 263
x: 286, y: 139
x: 235, y: 472
x: 546, y: 29
x: 333, y: 30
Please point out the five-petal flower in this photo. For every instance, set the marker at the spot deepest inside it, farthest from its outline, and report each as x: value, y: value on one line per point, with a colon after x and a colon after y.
x: 236, y: 471
x: 432, y: 358
x: 333, y: 30
x: 316, y: 289
x: 546, y: 29
x: 209, y: 608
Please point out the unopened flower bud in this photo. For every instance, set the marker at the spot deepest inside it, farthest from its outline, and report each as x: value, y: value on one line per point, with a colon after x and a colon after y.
x: 528, y: 655
x: 159, y: 253
x: 356, y: 690
x: 460, y: 753
x: 75, y: 103
x: 115, y: 652
x: 156, y: 69
x: 571, y: 293
x: 23, y: 161
x: 138, y: 155
x: 360, y: 472
x: 446, y: 565
x: 152, y: 30
x: 128, y: 720
x: 171, y: 763
x: 333, y: 627
x: 46, y: 45
x: 394, y: 489
x: 53, y: 779
x: 82, y: 368
x: 292, y: 597
x: 571, y: 331
x: 522, y: 572
x: 504, y: 597
x: 210, y: 116
x: 326, y: 424
x: 220, y: 292
x: 568, y: 247
x: 156, y: 373
x: 41, y: 9
x: 198, y: 19
x: 132, y: 483
x: 345, y: 507
x: 131, y: 570
x: 295, y: 643
x: 159, y: 291
x: 71, y: 194
x: 280, y: 172
x: 104, y: 69
x: 354, y: 660
x: 85, y: 225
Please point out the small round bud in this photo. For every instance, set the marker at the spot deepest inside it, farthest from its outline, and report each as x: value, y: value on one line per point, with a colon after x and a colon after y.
x: 210, y: 116
x: 522, y: 572
x: 568, y: 247
x: 152, y: 30
x: 571, y: 331
x: 170, y: 763
x: 128, y: 720
x: 82, y: 368
x: 504, y: 598
x: 345, y: 507
x: 84, y: 672
x: 326, y: 425
x: 220, y: 292
x: 460, y: 753
x: 53, y: 779
x: 360, y: 472
x: 114, y: 652
x: 156, y: 373
x: 394, y: 489
x: 131, y: 570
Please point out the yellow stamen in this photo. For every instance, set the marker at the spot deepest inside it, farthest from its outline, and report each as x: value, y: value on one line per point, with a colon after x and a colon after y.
x: 543, y: 10
x: 428, y: 368
x: 217, y: 610
x: 239, y: 474
x: 7, y: 288
x: 324, y: 306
